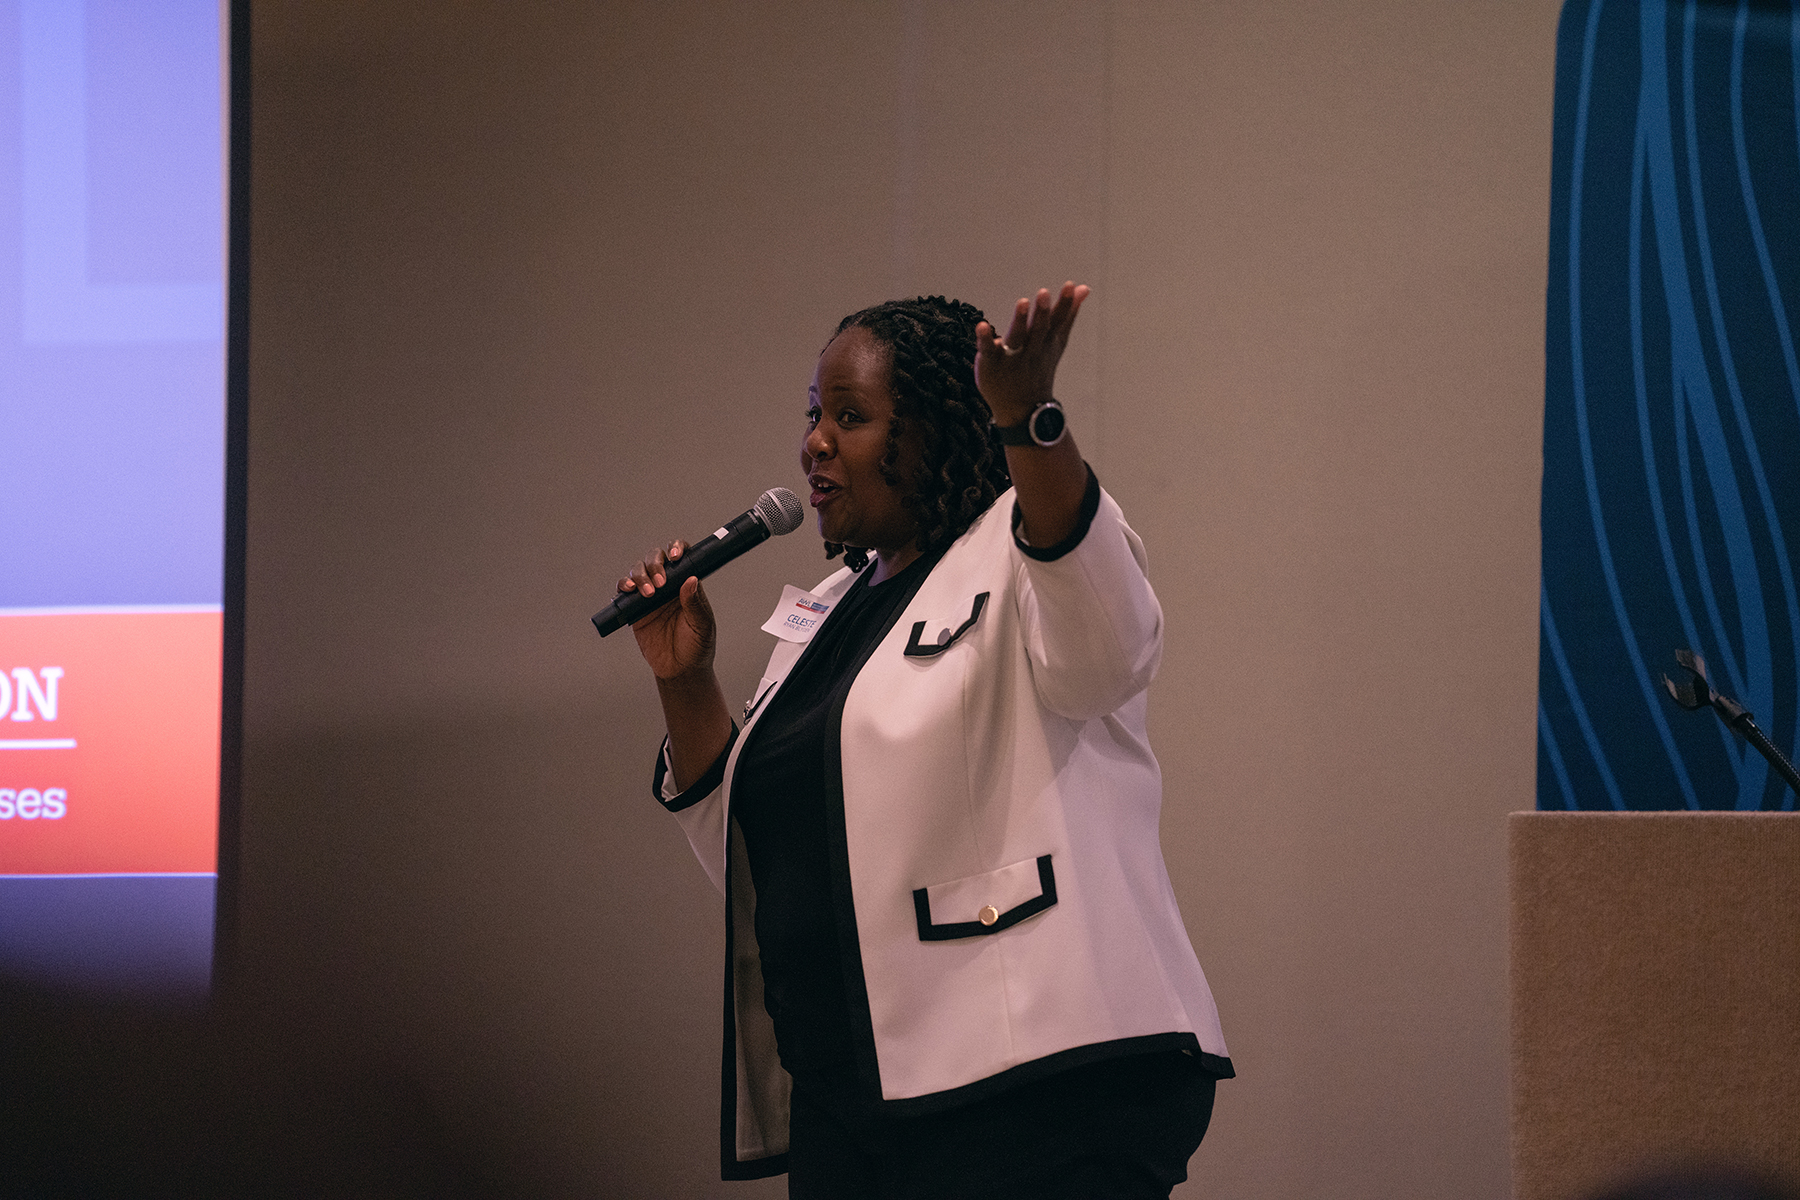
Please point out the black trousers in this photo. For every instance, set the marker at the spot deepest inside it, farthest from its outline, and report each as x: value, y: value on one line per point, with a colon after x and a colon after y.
x: 1122, y: 1129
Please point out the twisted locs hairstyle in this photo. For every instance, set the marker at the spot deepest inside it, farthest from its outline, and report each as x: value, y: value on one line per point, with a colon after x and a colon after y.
x: 931, y: 346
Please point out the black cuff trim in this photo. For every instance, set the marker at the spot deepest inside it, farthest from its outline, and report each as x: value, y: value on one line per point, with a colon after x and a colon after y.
x: 701, y: 787
x: 1090, y: 504
x: 950, y: 930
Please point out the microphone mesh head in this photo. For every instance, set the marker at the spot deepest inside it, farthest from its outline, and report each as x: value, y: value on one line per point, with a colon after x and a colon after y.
x: 780, y: 510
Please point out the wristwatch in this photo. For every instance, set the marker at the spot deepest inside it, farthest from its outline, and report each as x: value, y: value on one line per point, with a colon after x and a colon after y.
x: 1044, y: 427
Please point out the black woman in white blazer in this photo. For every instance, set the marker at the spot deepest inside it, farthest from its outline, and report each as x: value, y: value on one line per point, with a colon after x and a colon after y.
x: 1005, y: 932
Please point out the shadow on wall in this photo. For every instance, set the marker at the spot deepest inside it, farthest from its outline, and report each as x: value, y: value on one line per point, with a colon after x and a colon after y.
x: 472, y: 952
x: 108, y: 1100
x: 1701, y: 1182
x: 491, y: 902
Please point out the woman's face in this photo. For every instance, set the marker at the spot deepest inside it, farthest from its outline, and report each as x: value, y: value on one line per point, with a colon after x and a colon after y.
x: 848, y: 409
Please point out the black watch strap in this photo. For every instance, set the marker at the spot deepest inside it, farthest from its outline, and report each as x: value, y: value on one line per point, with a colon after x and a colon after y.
x: 1044, y: 427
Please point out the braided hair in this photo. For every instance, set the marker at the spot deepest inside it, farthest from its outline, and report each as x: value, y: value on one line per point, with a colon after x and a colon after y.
x: 931, y: 351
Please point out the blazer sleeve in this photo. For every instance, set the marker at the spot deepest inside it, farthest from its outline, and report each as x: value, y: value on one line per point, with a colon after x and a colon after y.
x: 1091, y: 623
x: 699, y: 809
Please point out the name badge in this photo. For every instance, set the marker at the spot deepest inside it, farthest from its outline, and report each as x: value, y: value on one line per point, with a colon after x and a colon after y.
x: 797, y: 616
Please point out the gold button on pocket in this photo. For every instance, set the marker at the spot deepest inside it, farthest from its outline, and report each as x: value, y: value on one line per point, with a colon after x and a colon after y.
x: 986, y: 904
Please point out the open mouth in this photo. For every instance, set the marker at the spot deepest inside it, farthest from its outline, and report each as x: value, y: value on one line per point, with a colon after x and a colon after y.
x: 822, y: 490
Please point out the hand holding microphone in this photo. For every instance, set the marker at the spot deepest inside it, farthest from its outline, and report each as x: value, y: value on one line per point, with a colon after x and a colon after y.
x: 663, y: 577
x: 677, y: 639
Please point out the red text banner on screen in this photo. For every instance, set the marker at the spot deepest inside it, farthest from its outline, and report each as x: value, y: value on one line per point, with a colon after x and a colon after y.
x: 109, y: 741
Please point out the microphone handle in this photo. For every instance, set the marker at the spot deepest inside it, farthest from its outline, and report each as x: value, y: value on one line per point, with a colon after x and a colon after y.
x: 702, y: 558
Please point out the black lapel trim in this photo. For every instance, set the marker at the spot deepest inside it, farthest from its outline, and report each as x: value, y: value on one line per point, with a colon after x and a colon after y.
x: 730, y: 1166
x: 728, y: 1160
x: 815, y: 640
x: 950, y: 930
x: 750, y: 708
x: 914, y: 650
x: 856, y: 988
x: 701, y: 788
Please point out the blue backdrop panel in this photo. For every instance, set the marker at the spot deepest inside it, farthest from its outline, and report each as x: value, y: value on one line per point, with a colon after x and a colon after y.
x: 1672, y: 402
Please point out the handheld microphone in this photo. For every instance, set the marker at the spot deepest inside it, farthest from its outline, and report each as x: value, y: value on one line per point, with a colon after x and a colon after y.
x: 776, y: 511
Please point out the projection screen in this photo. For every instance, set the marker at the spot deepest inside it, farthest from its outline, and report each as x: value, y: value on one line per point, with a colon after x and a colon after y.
x: 118, y: 581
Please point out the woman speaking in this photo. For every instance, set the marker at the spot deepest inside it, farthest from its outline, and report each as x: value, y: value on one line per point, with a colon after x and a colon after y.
x: 956, y: 967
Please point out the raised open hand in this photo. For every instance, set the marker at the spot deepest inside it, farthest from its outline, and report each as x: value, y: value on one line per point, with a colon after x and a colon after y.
x: 1018, y: 372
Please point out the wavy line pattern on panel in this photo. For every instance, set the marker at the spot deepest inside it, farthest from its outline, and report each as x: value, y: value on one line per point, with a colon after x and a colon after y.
x: 1547, y: 738
x: 1572, y: 690
x: 1646, y: 443
x: 1777, y: 306
x: 1711, y: 413
x: 1759, y: 688
x: 1590, y: 475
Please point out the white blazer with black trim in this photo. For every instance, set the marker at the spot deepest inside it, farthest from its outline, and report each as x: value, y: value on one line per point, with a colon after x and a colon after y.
x: 1003, y: 906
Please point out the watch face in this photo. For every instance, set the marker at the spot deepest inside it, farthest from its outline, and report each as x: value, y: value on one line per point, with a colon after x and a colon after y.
x: 1047, y: 425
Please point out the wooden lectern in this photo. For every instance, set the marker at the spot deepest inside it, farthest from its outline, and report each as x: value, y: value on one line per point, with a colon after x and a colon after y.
x: 1655, y: 995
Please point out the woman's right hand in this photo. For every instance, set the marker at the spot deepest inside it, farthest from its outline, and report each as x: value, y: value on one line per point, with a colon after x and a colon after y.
x: 677, y: 639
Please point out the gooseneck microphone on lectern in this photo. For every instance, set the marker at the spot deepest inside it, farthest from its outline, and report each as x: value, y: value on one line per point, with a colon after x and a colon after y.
x: 1695, y: 692
x: 777, y: 511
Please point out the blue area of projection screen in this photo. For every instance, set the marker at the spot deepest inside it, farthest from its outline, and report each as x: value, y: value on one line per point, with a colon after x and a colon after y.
x: 112, y: 303
x: 1671, y: 502
x: 110, y: 934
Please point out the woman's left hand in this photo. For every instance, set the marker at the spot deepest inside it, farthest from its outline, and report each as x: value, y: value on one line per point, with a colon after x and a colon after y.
x: 1018, y: 372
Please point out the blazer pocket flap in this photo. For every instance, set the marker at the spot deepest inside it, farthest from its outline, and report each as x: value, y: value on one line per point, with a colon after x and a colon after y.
x: 985, y: 903
x: 932, y: 637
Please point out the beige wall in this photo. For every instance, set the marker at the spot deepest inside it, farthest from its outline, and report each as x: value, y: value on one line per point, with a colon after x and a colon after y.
x: 535, y: 285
